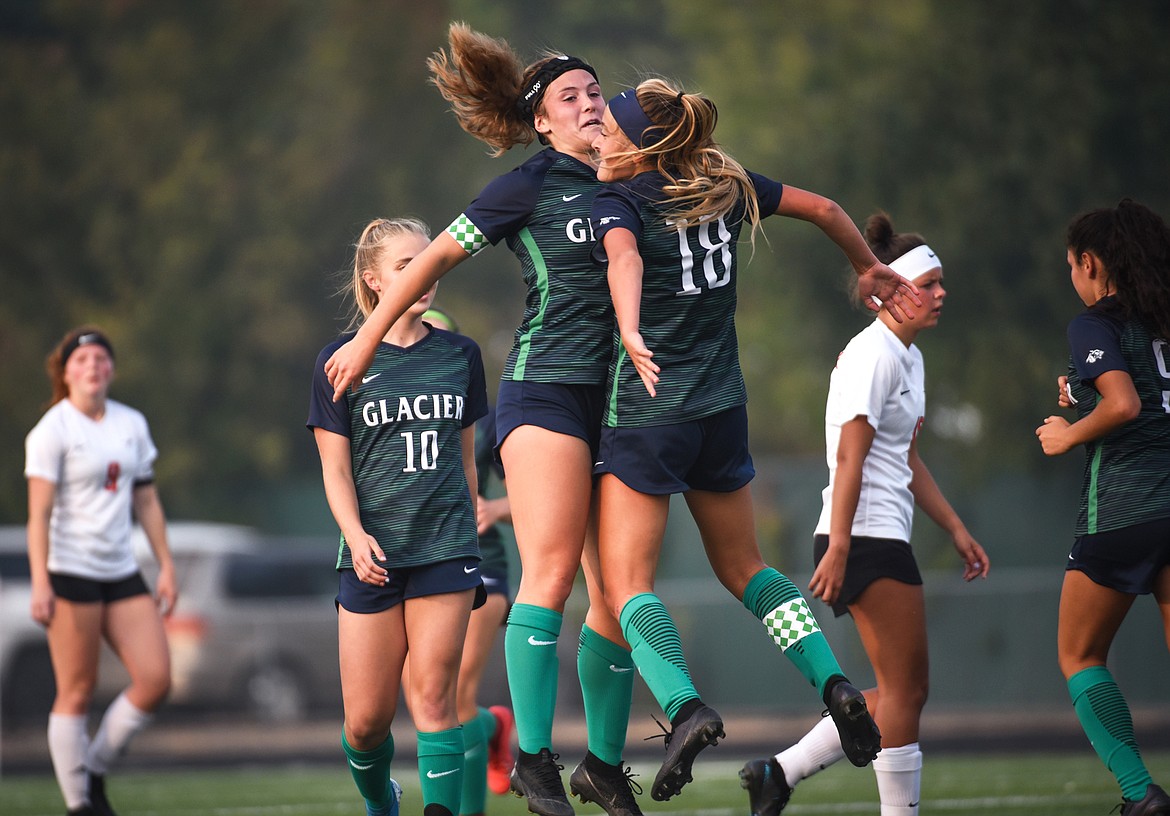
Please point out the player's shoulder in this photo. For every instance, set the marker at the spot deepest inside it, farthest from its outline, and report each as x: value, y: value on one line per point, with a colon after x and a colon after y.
x: 459, y: 341
x: 122, y: 411
x: 333, y: 346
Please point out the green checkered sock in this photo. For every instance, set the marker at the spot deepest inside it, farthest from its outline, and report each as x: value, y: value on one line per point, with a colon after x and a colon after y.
x: 776, y: 601
x: 1108, y: 724
x: 657, y: 651
x: 440, y: 767
x: 606, y: 671
x: 371, y: 770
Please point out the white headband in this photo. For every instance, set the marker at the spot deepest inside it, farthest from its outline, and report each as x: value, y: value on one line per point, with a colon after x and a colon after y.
x: 917, y: 261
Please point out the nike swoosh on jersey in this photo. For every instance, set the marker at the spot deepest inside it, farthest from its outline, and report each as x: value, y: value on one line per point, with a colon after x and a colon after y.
x: 534, y: 642
x: 469, y: 570
x: 570, y: 198
x: 369, y: 377
x: 619, y: 669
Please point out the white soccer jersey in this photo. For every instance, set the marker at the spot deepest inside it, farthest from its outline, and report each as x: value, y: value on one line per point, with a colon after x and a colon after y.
x: 94, y: 466
x: 879, y: 378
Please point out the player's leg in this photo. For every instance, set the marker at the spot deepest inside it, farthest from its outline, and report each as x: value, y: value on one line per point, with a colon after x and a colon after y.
x: 549, y: 486
x: 134, y: 630
x: 891, y: 620
x: 605, y: 668
x: 436, y: 628
x: 727, y: 527
x: 371, y: 653
x: 74, y: 636
x: 478, y: 723
x: 1090, y: 615
x: 632, y: 525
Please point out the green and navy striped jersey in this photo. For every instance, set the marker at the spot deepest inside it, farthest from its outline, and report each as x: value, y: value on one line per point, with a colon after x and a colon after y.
x: 405, y: 422
x: 542, y: 209
x: 688, y: 305
x: 1127, y: 471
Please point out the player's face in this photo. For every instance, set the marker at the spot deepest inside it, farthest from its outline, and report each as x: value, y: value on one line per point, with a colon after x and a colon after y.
x: 400, y: 251
x: 616, y: 158
x: 570, y: 113
x: 932, y: 293
x: 89, y: 371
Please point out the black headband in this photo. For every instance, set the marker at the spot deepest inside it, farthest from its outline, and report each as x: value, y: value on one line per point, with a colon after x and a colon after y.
x: 535, y: 88
x: 86, y: 339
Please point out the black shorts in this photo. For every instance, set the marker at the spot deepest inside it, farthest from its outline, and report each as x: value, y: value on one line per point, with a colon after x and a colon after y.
x: 1127, y: 560
x: 566, y: 408
x: 405, y: 583
x: 870, y: 559
x: 704, y: 454
x: 86, y: 590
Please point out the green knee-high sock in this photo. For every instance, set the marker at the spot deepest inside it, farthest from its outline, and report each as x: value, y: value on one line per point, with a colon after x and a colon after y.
x: 440, y: 767
x: 530, y: 653
x: 475, y: 759
x: 606, y: 671
x: 1107, y: 722
x: 776, y: 601
x: 371, y: 770
x: 657, y: 651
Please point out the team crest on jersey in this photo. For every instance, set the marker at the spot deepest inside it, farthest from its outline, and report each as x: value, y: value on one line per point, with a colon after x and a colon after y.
x: 1095, y: 355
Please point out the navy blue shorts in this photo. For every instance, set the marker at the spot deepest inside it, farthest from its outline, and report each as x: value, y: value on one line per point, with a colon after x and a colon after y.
x: 704, y: 454
x: 571, y: 409
x: 495, y: 582
x: 870, y: 559
x: 1128, y: 559
x: 405, y: 583
x: 87, y: 590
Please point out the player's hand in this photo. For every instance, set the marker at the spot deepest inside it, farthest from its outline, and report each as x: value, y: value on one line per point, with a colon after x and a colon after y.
x: 489, y: 512
x: 42, y: 605
x: 166, y: 592
x: 363, y: 550
x: 641, y: 356
x: 881, y: 287
x: 1064, y: 397
x: 1051, y: 435
x: 829, y: 575
x: 976, y: 564
x: 348, y: 364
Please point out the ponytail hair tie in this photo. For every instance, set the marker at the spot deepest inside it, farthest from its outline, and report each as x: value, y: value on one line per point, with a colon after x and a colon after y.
x: 678, y: 98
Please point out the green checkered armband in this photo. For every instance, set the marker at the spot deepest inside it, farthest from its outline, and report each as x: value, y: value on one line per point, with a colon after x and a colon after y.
x: 467, y: 235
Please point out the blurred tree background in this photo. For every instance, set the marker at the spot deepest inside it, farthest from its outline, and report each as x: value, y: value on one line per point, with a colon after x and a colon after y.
x: 191, y: 176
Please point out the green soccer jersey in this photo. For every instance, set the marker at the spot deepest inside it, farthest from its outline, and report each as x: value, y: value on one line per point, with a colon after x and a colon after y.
x: 405, y: 422
x: 542, y: 210
x: 1127, y: 472
x: 687, y: 309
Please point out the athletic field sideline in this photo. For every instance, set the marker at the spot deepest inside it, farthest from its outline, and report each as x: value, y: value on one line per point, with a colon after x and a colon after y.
x: 1027, y: 784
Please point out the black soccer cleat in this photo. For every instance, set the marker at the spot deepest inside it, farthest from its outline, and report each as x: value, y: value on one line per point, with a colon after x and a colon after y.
x: 859, y: 733
x: 768, y: 790
x: 1155, y: 803
x: 612, y: 787
x: 537, y: 778
x: 98, y: 802
x: 704, y: 727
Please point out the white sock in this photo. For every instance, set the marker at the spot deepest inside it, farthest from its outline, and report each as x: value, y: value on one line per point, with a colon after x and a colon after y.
x: 67, y: 744
x: 899, y: 779
x: 817, y: 750
x: 121, y: 722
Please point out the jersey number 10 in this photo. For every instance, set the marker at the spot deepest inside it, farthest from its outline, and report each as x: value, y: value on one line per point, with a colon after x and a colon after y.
x: 426, y: 453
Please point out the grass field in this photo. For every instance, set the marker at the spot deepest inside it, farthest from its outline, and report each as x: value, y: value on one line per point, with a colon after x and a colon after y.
x: 1006, y: 785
